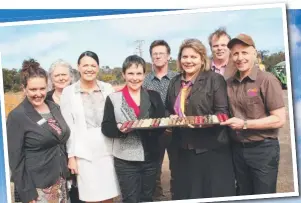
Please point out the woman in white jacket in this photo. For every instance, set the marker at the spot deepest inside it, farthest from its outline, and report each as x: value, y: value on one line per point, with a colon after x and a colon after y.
x: 89, y: 151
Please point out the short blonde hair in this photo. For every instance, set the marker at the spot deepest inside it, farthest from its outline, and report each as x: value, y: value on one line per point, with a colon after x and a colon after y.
x: 198, y: 47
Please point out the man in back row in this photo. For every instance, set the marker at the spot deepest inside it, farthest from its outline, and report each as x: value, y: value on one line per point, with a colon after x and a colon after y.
x: 158, y: 80
x: 220, y: 62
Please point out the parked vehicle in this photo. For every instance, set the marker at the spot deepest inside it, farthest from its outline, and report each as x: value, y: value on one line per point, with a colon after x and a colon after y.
x: 279, y: 70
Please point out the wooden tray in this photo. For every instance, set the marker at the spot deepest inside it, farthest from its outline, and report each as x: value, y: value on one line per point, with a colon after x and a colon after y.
x: 188, y: 118
x: 175, y: 126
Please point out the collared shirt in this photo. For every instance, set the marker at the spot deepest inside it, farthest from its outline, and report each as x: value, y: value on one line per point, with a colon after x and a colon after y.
x: 220, y: 70
x: 151, y: 82
x: 253, y: 98
x: 93, y: 104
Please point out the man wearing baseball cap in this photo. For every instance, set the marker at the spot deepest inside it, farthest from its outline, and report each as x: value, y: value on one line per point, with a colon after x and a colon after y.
x: 258, y: 111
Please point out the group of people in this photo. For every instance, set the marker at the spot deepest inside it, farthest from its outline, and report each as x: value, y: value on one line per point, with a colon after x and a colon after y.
x: 75, y: 129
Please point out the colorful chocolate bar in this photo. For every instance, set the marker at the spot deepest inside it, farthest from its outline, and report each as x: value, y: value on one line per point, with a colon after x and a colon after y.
x: 130, y: 124
x: 220, y: 117
x: 225, y: 117
x: 124, y: 125
x: 135, y: 123
x: 153, y: 122
x: 215, y: 119
x: 157, y: 123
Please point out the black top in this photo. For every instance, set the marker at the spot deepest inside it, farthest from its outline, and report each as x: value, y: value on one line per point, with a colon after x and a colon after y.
x: 37, y: 153
x: 49, y: 95
x: 148, y: 137
x: 208, y: 95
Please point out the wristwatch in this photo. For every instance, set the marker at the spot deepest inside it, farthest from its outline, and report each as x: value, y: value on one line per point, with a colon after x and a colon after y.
x: 245, y: 125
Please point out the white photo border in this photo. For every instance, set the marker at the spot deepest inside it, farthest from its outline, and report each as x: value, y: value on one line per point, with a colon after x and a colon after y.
x: 164, y: 13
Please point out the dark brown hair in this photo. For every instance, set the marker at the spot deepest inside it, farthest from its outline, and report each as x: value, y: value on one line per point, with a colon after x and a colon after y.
x: 31, y: 69
x: 133, y: 59
x: 159, y: 43
x: 218, y: 33
x: 90, y: 54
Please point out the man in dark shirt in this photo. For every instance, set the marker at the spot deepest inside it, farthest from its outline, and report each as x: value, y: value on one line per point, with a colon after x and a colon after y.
x: 220, y: 62
x: 158, y: 80
x: 258, y: 111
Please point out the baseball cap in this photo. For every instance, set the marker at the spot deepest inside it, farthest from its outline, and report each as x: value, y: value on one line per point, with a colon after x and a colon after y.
x: 241, y: 38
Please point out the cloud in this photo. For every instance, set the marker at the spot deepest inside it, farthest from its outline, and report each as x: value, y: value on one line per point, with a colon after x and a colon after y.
x: 297, y: 113
x: 113, y: 39
x: 230, y: 18
x: 295, y: 35
x: 149, y: 26
x: 170, y: 25
x: 35, y: 44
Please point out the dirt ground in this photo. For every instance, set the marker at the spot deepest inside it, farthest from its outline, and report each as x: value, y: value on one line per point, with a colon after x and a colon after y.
x: 285, y: 176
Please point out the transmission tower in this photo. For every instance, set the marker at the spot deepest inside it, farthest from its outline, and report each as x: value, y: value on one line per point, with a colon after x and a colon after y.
x: 138, y: 49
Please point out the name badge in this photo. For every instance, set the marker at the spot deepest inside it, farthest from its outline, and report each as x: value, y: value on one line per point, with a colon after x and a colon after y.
x: 42, y: 121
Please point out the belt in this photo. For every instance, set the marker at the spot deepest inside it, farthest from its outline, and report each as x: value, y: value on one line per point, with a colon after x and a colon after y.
x: 254, y: 143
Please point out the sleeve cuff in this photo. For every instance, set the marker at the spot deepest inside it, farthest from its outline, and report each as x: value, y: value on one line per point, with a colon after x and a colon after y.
x: 71, y: 155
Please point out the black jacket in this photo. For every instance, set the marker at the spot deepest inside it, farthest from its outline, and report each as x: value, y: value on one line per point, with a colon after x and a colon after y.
x: 207, y: 96
x: 49, y: 95
x: 37, y: 154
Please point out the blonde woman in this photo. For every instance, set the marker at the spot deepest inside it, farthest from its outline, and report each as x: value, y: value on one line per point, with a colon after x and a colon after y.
x: 204, y: 164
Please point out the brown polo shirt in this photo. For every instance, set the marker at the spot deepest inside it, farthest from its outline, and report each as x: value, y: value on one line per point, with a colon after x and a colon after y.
x: 253, y: 98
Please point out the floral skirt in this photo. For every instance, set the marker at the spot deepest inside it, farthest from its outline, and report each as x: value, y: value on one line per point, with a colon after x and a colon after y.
x: 56, y: 193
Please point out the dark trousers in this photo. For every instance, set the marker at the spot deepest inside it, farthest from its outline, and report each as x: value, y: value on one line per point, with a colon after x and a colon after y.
x: 73, y: 193
x: 166, y: 144
x: 205, y: 175
x: 256, y: 166
x: 136, y: 180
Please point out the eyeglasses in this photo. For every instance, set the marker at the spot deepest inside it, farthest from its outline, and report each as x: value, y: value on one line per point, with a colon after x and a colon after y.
x: 158, y: 54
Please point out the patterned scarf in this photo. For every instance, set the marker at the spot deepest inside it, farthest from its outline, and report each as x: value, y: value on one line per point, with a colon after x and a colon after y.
x: 179, y: 106
x: 54, y: 125
x: 132, y: 104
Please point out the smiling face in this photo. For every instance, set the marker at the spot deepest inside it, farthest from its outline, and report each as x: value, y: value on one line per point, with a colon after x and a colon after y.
x: 190, y: 61
x: 134, y: 77
x: 219, y: 48
x: 243, y: 57
x: 36, y: 90
x: 61, y: 77
x: 88, y: 69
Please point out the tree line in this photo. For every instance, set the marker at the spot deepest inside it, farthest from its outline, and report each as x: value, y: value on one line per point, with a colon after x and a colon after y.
x: 12, y: 79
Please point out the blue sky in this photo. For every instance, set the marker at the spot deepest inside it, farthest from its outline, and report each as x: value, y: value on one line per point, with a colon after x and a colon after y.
x: 295, y: 55
x: 113, y: 39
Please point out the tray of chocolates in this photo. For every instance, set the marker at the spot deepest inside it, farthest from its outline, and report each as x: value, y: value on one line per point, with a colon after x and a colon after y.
x: 195, y: 121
